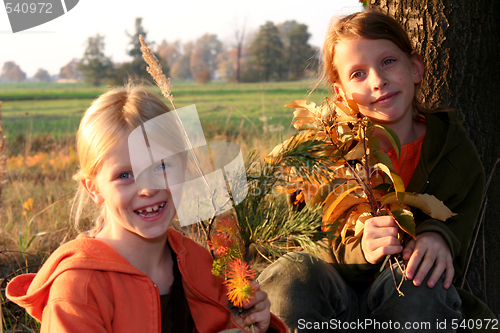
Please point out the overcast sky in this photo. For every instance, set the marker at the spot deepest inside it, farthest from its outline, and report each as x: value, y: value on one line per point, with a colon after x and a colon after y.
x: 55, y: 43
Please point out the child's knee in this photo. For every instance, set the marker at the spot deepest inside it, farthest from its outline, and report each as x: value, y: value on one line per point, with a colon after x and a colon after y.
x: 438, y: 300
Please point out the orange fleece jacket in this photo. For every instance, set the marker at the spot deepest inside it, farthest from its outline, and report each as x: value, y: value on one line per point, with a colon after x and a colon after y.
x: 86, y: 286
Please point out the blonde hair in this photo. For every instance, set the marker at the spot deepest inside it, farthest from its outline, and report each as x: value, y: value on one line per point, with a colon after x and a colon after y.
x: 111, y: 116
x: 369, y: 24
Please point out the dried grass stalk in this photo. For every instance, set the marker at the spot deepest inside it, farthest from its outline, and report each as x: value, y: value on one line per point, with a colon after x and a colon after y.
x: 3, y: 157
x: 154, y: 68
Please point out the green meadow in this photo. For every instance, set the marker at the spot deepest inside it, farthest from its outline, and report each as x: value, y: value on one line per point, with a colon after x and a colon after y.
x: 35, y: 114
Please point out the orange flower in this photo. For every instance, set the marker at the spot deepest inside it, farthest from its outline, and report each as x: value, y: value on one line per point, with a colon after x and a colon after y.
x: 220, y: 244
x: 28, y: 204
x: 225, y: 241
x: 226, y: 226
x: 239, y: 277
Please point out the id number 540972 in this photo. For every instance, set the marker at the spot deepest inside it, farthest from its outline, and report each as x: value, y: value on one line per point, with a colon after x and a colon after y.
x: 32, y: 7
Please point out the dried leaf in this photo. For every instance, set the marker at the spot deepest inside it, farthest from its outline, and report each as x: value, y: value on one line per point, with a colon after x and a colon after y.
x: 354, y: 107
x: 325, y: 190
x: 301, y: 113
x: 342, y: 203
x: 429, y: 204
x: 299, y: 122
x: 357, y: 218
x: 439, y: 210
x: 356, y: 153
x: 288, y: 189
x: 392, y: 136
x: 398, y: 183
x: 302, y: 104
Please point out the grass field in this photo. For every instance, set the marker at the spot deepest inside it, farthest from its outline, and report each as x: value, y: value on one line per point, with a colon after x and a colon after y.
x: 40, y: 122
x: 53, y: 112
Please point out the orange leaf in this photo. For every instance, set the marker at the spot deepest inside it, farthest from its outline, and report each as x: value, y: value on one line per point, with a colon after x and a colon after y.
x: 341, y: 204
x: 429, y: 204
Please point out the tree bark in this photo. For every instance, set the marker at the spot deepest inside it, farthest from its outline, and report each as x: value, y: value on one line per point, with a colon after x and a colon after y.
x: 459, y: 41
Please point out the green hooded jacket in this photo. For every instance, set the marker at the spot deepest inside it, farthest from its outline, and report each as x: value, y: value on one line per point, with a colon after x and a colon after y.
x: 449, y: 168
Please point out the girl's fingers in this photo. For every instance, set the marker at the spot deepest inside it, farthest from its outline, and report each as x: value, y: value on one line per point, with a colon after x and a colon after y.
x: 262, y: 305
x: 259, y: 319
x: 424, y: 268
x: 260, y: 314
x: 450, y: 273
x: 259, y: 297
x: 381, y: 221
x: 439, y: 269
x: 408, y: 250
x: 413, y: 262
x: 387, y: 241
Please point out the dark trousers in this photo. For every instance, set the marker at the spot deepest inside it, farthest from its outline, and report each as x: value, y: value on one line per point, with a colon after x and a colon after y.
x: 309, y: 295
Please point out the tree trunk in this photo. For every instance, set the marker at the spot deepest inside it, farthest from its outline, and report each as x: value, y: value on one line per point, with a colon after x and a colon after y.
x: 459, y: 43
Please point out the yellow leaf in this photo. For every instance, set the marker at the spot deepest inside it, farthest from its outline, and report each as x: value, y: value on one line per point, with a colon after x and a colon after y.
x: 285, y: 189
x: 356, y: 153
x: 438, y: 209
x: 302, y: 104
x: 347, y: 120
x: 348, y: 106
x: 299, y: 198
x: 325, y: 190
x: 398, y: 183
x: 301, y: 121
x: 342, y: 203
x: 429, y: 204
x: 298, y: 113
x: 352, y: 104
x: 356, y: 219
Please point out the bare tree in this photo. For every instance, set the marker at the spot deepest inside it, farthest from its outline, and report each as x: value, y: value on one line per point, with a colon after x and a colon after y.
x: 239, y: 38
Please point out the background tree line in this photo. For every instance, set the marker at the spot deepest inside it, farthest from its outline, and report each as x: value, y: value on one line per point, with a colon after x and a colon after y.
x: 273, y: 53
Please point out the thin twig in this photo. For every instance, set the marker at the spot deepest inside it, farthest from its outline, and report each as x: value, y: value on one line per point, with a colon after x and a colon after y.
x: 484, y: 271
x: 484, y: 202
x: 394, y: 278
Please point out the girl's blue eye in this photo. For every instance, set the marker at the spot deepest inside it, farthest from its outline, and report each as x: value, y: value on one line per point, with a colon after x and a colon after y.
x: 388, y: 61
x: 356, y: 75
x: 162, y: 166
x: 125, y: 175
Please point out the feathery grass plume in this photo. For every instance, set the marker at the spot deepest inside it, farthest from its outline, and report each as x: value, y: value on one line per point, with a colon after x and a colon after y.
x: 156, y: 71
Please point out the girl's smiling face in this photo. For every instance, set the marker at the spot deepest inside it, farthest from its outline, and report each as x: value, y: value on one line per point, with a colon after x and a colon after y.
x: 133, y: 210
x: 379, y: 77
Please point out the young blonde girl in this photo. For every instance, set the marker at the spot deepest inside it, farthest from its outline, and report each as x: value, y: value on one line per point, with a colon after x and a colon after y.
x: 369, y: 58
x: 131, y: 272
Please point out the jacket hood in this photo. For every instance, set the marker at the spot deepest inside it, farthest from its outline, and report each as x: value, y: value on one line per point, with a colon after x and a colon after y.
x: 31, y: 290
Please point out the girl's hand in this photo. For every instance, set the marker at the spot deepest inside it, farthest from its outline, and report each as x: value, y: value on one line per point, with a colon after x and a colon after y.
x: 380, y: 238
x: 260, y: 313
x: 429, y: 250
